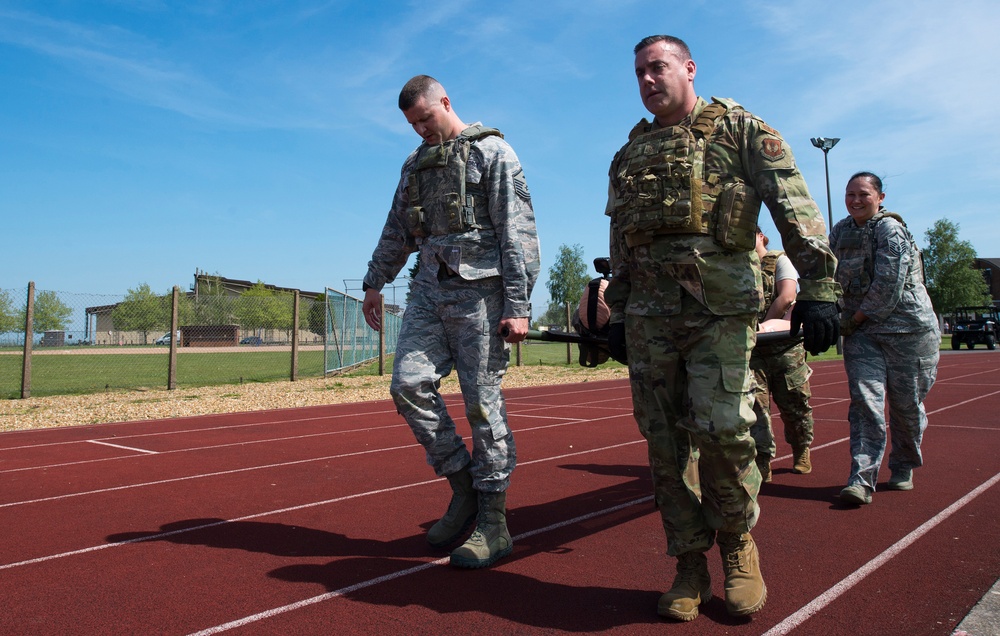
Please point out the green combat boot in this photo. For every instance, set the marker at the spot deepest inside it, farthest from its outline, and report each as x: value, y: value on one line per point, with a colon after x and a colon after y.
x: 745, y: 589
x: 692, y: 587
x: 801, y: 461
x: 461, y: 511
x: 490, y: 541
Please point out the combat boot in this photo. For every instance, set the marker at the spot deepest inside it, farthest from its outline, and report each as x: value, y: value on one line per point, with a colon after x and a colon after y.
x: 764, y: 466
x: 490, y: 541
x: 460, y: 514
x: 902, y: 479
x: 692, y: 587
x: 745, y: 589
x: 801, y: 461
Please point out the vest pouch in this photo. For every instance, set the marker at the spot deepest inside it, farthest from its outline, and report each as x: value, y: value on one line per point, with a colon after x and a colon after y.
x: 415, y: 219
x: 736, y: 212
x: 454, y: 207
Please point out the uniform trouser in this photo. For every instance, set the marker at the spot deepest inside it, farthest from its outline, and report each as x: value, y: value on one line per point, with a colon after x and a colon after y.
x: 453, y: 325
x: 692, y: 398
x: 781, y: 373
x: 901, y: 367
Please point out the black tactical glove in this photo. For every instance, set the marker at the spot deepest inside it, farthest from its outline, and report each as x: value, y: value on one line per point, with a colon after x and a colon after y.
x: 848, y: 325
x: 820, y: 323
x: 616, y: 342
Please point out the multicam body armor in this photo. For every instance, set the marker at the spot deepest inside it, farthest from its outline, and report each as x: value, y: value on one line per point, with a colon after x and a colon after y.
x: 768, y: 265
x: 666, y: 186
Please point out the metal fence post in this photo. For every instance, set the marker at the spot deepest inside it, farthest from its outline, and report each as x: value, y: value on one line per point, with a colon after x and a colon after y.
x: 569, y: 327
x: 381, y: 336
x: 29, y: 335
x: 172, y: 362
x: 295, y: 336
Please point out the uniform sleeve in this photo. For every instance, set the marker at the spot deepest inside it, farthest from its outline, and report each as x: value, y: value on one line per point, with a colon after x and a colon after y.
x: 396, y: 243
x: 893, y: 259
x: 783, y: 190
x: 617, y: 293
x: 513, y: 219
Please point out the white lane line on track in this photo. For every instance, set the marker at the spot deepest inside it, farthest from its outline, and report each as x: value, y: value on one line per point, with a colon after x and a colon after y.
x: 821, y: 601
x: 566, y: 422
x: 400, y: 574
x: 268, y: 513
x: 128, y: 448
x: 282, y: 422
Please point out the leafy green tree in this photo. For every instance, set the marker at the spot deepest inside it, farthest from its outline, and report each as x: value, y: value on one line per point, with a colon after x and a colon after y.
x: 316, y: 316
x: 143, y: 311
x: 263, y: 308
x: 951, y: 280
x: 211, y: 305
x: 8, y: 314
x: 50, y: 313
x: 567, y: 279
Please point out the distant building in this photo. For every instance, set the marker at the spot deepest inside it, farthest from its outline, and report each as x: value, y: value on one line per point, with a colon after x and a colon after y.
x: 990, y: 268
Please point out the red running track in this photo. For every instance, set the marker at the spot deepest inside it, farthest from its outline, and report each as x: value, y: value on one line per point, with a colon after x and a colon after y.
x: 312, y: 521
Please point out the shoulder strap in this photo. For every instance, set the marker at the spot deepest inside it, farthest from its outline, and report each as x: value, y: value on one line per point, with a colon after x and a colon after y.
x: 474, y: 133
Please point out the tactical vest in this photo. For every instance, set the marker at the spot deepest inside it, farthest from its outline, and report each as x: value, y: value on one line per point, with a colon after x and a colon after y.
x: 768, y: 265
x: 664, y: 189
x: 441, y: 201
x: 860, y: 242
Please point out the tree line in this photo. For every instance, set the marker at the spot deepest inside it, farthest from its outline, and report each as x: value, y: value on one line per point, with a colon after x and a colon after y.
x: 948, y: 261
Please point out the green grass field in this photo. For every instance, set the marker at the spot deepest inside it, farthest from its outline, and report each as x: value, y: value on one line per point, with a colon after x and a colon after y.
x: 95, y: 372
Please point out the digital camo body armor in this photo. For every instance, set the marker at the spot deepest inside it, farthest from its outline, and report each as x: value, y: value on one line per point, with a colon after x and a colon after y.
x: 881, y: 272
x: 465, y: 206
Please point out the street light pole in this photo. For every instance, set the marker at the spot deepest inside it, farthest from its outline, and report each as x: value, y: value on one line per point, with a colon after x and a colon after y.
x: 826, y: 144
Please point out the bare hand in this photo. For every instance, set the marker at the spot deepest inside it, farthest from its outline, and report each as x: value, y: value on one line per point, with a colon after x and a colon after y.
x: 513, y: 329
x: 372, y: 309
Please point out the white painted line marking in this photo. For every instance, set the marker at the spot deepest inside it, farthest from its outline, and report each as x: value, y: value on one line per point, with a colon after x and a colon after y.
x: 397, y: 575
x: 268, y: 513
x: 128, y: 448
x: 853, y: 579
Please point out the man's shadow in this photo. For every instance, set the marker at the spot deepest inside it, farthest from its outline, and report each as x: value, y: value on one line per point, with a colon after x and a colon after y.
x: 512, y: 596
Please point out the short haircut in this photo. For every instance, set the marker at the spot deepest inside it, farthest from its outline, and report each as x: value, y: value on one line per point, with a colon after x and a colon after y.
x: 871, y: 177
x: 679, y: 44
x: 417, y: 87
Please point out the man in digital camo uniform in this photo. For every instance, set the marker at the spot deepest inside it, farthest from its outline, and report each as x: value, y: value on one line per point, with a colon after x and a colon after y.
x: 463, y: 204
x: 684, y: 196
x: 779, y: 369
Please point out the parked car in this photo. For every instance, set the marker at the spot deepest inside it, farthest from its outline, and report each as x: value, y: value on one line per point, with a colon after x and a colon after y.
x: 165, y: 339
x: 252, y: 340
x: 976, y: 325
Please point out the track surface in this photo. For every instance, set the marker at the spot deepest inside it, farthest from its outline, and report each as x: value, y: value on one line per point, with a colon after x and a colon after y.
x: 312, y: 521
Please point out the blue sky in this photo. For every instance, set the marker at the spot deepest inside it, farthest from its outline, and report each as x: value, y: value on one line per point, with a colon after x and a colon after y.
x: 141, y: 140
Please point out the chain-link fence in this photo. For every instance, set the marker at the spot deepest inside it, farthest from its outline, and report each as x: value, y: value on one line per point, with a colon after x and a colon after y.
x: 82, y: 343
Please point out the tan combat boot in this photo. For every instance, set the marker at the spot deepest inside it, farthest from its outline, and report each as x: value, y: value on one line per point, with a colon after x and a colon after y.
x: 745, y: 589
x: 461, y: 511
x: 764, y: 466
x: 692, y: 587
x: 490, y: 541
x: 801, y: 462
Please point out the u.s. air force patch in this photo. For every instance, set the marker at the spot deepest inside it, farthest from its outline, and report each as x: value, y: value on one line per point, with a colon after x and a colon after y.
x: 772, y: 149
x: 521, y: 185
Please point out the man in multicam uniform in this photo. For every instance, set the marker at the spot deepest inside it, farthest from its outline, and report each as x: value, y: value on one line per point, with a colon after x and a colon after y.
x: 779, y: 369
x: 684, y: 197
x: 463, y: 204
x: 891, y: 338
